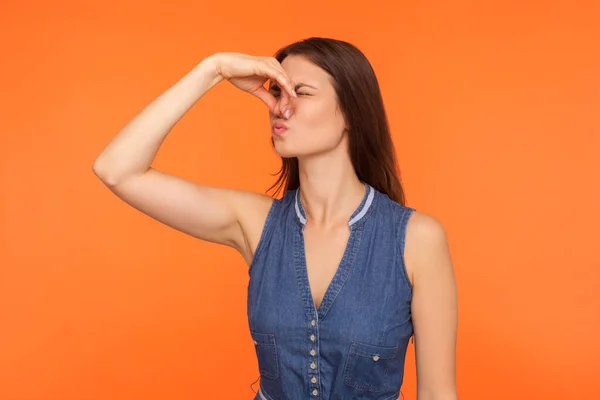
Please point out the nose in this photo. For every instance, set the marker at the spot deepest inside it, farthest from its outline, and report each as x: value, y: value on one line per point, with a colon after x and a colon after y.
x: 285, y: 105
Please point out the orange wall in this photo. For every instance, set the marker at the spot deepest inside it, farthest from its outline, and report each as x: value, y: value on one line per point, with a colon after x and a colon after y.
x: 496, y: 117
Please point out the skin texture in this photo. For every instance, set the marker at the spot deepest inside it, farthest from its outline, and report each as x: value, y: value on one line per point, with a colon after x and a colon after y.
x: 317, y: 137
x: 317, y: 125
x: 329, y: 189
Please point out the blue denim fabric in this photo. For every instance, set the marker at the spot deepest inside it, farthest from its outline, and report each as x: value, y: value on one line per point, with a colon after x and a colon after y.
x: 354, y: 345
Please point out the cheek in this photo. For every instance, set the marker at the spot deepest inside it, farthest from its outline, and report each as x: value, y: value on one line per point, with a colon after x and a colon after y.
x: 320, y: 115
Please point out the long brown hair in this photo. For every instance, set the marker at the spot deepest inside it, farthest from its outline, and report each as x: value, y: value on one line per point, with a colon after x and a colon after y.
x: 359, y: 98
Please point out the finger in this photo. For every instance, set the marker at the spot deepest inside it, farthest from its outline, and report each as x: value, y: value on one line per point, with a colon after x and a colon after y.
x: 276, y: 64
x: 267, y: 98
x: 287, y: 83
x: 277, y: 73
x: 285, y: 105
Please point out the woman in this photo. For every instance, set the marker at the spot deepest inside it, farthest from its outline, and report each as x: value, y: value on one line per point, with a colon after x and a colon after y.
x: 342, y: 273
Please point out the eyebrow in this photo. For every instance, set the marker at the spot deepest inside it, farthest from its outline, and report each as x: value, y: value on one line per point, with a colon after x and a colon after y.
x: 298, y: 86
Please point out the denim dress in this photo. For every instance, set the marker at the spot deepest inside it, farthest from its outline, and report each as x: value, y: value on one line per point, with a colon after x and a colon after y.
x: 354, y: 345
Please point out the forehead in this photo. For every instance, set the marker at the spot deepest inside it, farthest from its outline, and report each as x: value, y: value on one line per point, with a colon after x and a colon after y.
x: 301, y: 69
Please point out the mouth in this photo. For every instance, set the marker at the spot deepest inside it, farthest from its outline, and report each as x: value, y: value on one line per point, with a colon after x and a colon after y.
x: 279, y: 128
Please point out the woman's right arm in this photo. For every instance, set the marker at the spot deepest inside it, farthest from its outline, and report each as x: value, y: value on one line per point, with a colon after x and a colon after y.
x: 226, y: 216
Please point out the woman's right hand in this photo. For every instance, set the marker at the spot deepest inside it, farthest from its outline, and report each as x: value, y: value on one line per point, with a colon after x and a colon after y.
x: 250, y: 73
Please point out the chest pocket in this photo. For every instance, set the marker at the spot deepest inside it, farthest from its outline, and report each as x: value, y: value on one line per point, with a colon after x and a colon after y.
x: 266, y: 353
x: 373, y: 368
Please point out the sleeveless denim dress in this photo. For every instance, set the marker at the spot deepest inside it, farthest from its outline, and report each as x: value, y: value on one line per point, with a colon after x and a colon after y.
x: 354, y: 345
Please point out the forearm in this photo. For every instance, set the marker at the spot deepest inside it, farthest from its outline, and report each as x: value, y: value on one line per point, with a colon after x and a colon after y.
x: 134, y: 148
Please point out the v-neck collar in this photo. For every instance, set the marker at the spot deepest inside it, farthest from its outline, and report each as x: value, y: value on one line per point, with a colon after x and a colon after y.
x: 343, y: 270
x: 356, y: 216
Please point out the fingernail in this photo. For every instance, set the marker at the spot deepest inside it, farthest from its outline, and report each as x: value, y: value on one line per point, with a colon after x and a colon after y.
x: 294, y: 93
x: 287, y: 114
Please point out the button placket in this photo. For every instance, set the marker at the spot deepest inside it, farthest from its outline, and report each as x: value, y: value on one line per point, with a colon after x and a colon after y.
x: 313, y: 356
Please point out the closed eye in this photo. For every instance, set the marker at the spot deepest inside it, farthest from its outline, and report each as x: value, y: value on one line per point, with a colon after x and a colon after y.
x: 276, y: 90
x: 276, y: 93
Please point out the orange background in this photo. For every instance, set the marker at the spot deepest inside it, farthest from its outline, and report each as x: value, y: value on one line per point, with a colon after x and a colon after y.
x: 495, y: 112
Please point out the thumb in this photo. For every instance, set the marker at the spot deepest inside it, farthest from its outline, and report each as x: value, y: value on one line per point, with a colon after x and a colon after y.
x: 266, y: 97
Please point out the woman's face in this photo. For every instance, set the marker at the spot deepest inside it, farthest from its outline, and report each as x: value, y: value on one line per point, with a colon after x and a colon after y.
x: 316, y: 124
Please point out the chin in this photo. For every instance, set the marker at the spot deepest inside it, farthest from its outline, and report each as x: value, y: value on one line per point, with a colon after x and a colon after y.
x: 284, y: 150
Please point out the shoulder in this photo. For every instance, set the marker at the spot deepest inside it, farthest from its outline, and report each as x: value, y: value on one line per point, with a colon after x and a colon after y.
x: 424, y: 230
x: 257, y: 204
x: 422, y: 240
x: 419, y: 232
x: 426, y: 246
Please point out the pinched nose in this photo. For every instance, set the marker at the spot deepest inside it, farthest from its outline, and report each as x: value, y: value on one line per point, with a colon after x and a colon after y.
x: 285, y: 106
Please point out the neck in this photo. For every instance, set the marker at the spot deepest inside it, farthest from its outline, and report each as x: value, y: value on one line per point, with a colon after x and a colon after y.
x: 329, y: 189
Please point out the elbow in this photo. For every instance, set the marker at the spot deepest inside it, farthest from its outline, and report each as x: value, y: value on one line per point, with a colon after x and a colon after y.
x: 101, y: 172
x: 112, y: 176
x: 107, y: 175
